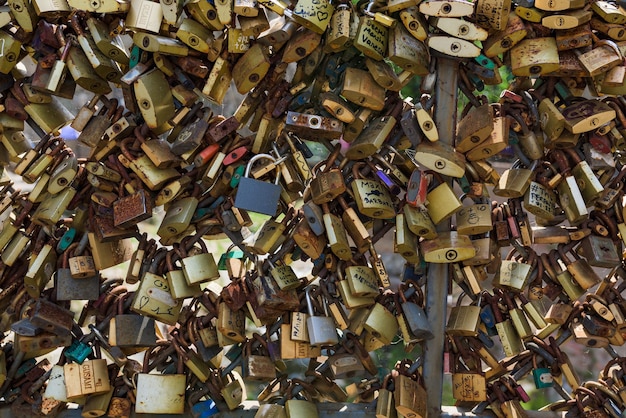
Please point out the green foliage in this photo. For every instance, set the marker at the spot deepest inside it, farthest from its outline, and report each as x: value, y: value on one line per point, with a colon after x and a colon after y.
x: 538, y: 399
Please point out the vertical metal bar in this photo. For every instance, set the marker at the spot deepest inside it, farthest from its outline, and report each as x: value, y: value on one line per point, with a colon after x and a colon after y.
x: 437, y: 284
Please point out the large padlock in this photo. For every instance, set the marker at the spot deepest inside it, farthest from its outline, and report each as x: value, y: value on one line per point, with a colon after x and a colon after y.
x: 534, y: 57
x: 249, y: 191
x: 160, y: 393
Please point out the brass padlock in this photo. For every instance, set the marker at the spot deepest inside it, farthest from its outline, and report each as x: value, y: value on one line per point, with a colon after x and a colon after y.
x: 474, y: 127
x: 342, y: 29
x: 153, y: 298
x: 179, y: 288
x: 90, y: 377
x: 381, y: 323
x: 475, y: 219
x: 160, y: 393
x: 602, y: 58
x: 442, y: 202
x: 154, y: 98
x: 405, y: 241
x: 533, y: 57
x: 251, y: 68
x: 407, y: 52
x: 498, y: 138
x: 409, y: 397
x: 371, y: 197
x: 515, y: 181
x: 447, y: 248
x: 361, y: 89
x: 314, y: 16
x: 463, y: 320
x: 419, y: 222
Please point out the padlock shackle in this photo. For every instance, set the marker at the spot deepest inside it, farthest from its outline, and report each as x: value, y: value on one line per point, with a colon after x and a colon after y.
x: 309, y: 302
x: 256, y: 158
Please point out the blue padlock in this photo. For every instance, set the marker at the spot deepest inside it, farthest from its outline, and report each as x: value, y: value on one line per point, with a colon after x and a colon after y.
x: 204, y: 409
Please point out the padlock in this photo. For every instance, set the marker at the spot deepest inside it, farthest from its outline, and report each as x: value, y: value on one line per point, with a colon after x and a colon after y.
x: 440, y: 158
x: 300, y: 408
x: 589, y: 185
x: 413, y: 312
x: 407, y: 52
x: 599, y: 251
x: 231, y: 323
x: 587, y: 115
x: 248, y: 188
x: 540, y: 201
x: 130, y: 330
x: 81, y: 266
x: 269, y: 296
x: 405, y: 241
x: 381, y: 323
x: 474, y: 127
x: 51, y: 317
x: 463, y: 320
x: 199, y: 267
x: 360, y: 88
x: 160, y: 393
x: 469, y: 385
x: 514, y: 275
x: 570, y: 197
x: 153, y: 297
x: 336, y: 234
x: 442, y: 203
x: 409, y: 396
x: 560, y: 273
x: 321, y: 328
x: 511, y: 342
x: 541, y: 375
x: 580, y: 269
x: 40, y: 270
x: 291, y: 349
x: 448, y: 247
x: 385, y: 404
x: 361, y: 280
x: 525, y: 61
x: 90, y: 377
x: 258, y: 367
x: 475, y: 219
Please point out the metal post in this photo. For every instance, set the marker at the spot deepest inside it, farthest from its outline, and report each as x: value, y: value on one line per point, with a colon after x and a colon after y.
x: 437, y: 287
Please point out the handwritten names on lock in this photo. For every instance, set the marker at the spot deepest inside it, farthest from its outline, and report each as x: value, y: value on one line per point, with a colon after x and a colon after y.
x: 373, y: 194
x: 470, y: 387
x: 541, y: 199
x: 153, y: 299
x: 372, y: 37
x: 362, y: 278
x: 314, y: 14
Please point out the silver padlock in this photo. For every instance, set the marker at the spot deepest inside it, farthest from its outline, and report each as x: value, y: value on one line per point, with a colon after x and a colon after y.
x: 322, y: 329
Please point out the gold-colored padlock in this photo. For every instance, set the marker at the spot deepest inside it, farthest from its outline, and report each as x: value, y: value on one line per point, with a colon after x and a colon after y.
x: 533, y: 57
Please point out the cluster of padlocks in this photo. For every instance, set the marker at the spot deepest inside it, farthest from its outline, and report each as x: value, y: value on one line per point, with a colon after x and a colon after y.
x: 329, y: 72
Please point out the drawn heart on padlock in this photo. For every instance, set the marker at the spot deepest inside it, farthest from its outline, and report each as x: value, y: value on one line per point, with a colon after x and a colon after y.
x: 322, y: 16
